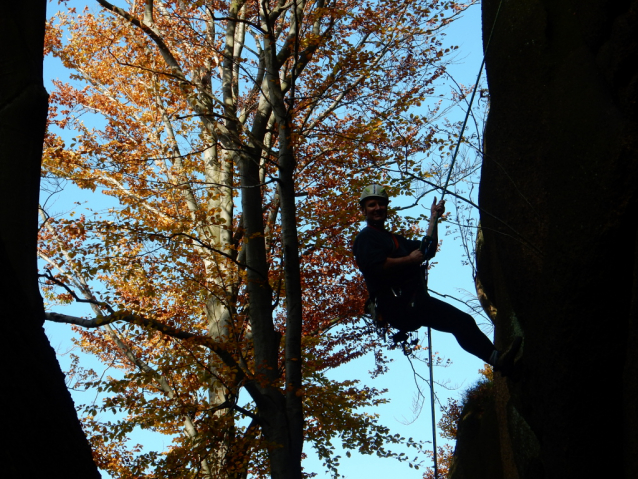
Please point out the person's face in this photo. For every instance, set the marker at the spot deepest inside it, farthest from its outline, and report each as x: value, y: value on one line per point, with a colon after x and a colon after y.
x: 375, y: 210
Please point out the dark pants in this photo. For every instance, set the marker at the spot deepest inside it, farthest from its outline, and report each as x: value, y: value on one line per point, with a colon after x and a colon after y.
x: 411, y: 312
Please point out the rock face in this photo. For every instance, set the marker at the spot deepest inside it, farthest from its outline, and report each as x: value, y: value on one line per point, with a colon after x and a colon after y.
x: 41, y: 434
x: 477, y: 437
x: 559, y: 212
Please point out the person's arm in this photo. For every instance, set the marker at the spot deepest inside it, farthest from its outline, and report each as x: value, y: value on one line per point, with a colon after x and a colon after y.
x: 393, y: 264
x: 431, y: 240
x: 437, y: 210
x: 417, y: 256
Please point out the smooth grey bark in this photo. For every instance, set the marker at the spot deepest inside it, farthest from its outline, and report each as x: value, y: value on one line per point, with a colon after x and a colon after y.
x: 41, y: 434
x: 294, y: 312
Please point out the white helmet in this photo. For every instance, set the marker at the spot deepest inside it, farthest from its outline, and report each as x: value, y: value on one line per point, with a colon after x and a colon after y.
x: 374, y: 191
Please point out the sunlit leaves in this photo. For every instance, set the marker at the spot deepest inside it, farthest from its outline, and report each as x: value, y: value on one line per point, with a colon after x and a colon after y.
x: 159, y: 124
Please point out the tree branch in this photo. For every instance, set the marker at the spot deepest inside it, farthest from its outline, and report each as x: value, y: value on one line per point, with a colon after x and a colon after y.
x: 242, y: 375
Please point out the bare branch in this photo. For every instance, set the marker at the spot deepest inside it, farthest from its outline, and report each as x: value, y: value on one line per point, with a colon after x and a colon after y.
x: 130, y: 318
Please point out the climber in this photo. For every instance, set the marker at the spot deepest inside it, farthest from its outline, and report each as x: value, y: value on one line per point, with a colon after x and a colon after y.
x: 391, y: 267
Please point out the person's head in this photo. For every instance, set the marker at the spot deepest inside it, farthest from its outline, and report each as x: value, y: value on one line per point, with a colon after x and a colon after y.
x: 374, y: 201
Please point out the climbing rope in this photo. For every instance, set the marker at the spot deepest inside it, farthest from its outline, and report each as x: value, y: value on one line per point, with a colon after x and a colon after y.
x: 443, y: 191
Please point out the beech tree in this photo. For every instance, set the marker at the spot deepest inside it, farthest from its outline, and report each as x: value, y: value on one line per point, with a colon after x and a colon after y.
x: 233, y: 139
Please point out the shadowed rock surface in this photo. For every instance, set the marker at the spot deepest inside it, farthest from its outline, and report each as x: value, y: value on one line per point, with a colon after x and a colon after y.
x: 477, y: 436
x: 41, y: 434
x: 557, y: 258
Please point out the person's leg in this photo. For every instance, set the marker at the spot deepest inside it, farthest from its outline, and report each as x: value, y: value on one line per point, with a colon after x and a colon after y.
x: 445, y: 317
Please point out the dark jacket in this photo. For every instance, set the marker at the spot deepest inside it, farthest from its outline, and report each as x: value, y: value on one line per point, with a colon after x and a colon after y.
x: 371, y: 248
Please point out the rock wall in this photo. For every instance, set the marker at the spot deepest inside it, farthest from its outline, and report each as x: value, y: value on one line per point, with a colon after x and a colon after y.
x: 40, y: 432
x: 559, y: 212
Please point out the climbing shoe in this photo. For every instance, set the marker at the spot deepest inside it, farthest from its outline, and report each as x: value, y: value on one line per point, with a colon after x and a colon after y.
x: 505, y: 362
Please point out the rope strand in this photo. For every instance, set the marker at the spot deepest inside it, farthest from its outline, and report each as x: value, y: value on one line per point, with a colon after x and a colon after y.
x: 444, y: 190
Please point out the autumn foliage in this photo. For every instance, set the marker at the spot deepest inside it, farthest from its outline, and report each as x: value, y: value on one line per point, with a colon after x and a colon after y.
x: 231, y: 139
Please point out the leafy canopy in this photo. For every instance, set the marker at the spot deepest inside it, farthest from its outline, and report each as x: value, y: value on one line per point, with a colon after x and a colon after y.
x: 232, y: 141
